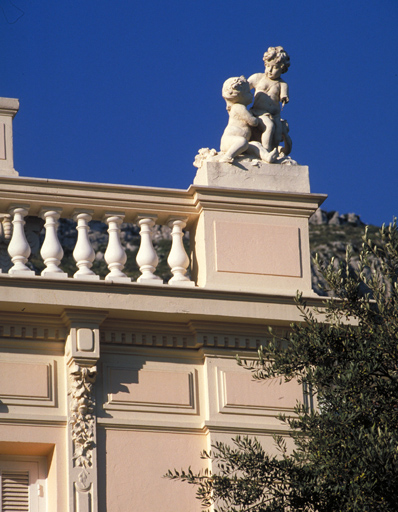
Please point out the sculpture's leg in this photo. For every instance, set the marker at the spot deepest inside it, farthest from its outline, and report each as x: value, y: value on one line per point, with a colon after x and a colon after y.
x: 236, y: 146
x: 256, y: 149
x: 286, y: 150
x: 277, y: 138
x: 268, y: 134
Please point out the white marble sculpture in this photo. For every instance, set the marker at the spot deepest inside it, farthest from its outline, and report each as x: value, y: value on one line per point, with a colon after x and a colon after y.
x: 256, y: 134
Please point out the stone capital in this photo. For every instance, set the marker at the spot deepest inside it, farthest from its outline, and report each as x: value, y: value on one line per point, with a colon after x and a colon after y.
x: 83, y: 342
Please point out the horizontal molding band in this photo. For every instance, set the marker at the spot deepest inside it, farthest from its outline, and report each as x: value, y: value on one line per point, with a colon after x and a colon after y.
x: 39, y: 421
x: 203, y: 429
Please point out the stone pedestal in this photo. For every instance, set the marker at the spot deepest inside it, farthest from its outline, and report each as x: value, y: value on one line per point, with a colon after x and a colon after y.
x: 261, y: 176
x: 252, y: 233
x: 8, y: 109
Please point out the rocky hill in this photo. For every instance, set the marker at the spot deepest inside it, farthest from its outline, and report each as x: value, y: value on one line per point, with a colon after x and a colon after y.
x: 330, y: 234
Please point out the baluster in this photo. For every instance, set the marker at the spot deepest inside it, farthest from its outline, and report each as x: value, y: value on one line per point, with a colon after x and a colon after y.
x: 178, y: 259
x: 83, y: 253
x: 51, y: 251
x: 5, y: 237
x: 115, y: 255
x: 147, y: 259
x: 18, y: 247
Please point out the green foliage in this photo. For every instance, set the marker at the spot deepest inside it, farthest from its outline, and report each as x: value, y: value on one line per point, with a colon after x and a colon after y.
x: 345, y: 354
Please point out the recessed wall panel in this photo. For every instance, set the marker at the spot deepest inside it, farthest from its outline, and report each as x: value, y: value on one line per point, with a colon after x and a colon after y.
x: 258, y: 249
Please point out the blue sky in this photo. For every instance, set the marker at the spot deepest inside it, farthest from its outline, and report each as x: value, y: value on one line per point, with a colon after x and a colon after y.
x: 128, y: 91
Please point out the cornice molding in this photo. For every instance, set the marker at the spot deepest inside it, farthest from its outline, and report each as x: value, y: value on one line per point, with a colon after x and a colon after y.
x: 34, y: 327
x: 192, y: 335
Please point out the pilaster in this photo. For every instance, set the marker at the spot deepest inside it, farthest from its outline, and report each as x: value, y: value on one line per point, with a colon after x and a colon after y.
x: 81, y: 356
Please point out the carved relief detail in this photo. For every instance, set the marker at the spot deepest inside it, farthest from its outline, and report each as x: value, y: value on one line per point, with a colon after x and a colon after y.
x: 82, y: 413
x: 83, y: 484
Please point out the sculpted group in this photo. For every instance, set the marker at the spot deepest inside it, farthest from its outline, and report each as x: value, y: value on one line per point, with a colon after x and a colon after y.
x: 257, y: 133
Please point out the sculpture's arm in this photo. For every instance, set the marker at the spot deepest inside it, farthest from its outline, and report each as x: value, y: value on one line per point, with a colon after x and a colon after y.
x: 284, y: 93
x: 253, y: 80
x: 245, y: 116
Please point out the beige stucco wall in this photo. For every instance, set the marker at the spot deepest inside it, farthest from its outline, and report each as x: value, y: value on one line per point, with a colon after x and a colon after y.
x: 164, y: 392
x: 135, y: 463
x: 33, y: 399
x: 146, y: 428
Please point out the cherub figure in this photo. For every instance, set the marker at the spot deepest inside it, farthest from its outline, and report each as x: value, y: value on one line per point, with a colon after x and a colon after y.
x: 269, y: 92
x: 235, y: 140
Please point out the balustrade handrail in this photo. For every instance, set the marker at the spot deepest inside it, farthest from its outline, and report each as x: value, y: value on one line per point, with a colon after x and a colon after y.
x: 100, y: 197
x: 113, y: 204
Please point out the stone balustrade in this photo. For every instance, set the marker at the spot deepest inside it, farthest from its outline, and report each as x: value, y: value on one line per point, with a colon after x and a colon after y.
x: 24, y: 198
x: 241, y: 239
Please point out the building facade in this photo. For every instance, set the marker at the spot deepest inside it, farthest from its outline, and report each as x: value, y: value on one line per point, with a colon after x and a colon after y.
x: 105, y: 384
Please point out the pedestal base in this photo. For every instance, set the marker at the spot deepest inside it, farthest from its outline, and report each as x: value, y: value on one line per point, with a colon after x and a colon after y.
x: 261, y: 176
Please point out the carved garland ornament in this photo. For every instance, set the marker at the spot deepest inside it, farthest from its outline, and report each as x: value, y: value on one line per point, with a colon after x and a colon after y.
x: 82, y: 417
